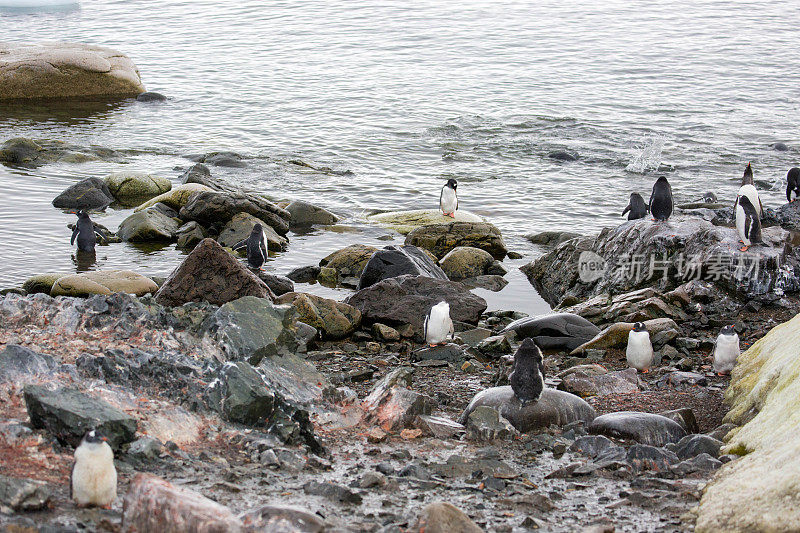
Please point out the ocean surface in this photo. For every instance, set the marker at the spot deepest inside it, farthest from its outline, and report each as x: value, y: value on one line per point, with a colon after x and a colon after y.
x: 408, y: 94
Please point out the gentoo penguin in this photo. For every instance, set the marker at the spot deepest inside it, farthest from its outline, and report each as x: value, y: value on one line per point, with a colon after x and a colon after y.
x: 256, y: 249
x: 527, y: 376
x: 639, y: 352
x: 661, y: 199
x: 438, y: 324
x: 448, y: 198
x: 93, y: 480
x: 636, y: 206
x: 749, y: 189
x: 792, y: 184
x: 726, y: 350
x: 709, y: 198
x: 748, y: 224
x: 85, y: 232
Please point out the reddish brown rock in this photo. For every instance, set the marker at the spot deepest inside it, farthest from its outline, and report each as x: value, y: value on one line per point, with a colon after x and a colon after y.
x: 210, y: 273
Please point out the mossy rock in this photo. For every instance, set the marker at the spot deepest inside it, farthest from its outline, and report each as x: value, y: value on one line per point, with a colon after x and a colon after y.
x: 405, y: 221
x: 176, y: 197
x: 103, y: 282
x: 43, y: 283
x: 132, y: 188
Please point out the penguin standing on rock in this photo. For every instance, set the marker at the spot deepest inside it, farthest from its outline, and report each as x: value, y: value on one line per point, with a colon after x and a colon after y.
x: 527, y: 376
x: 256, y: 249
x: 792, y: 184
x: 726, y: 350
x: 93, y: 480
x: 661, y: 200
x: 85, y: 232
x: 448, y: 198
x: 438, y: 324
x: 636, y: 207
x: 639, y: 352
x: 749, y: 189
x: 748, y: 223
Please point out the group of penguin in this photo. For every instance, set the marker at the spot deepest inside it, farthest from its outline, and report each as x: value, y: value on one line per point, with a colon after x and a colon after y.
x: 748, y: 207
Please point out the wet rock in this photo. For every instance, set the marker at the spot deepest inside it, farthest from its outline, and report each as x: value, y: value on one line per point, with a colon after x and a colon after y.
x: 440, y: 239
x: 442, y: 352
x: 279, y: 285
x: 685, y: 417
x: 335, y: 320
x: 306, y: 214
x: 385, y: 333
x: 218, y: 208
x: 89, y: 193
x: 562, y: 155
x: 489, y: 282
x: 644, y: 457
x: 349, y: 262
x: 240, y: 227
x: 586, y: 384
x: 306, y: 274
x: 484, y: 423
x: 407, y: 300
x: 551, y: 238
x: 438, y: 426
x: 393, y: 261
x: 405, y: 221
x: 466, y: 262
x: 332, y: 491
x: 211, y: 274
x: 132, y: 188
x: 66, y: 70
x: 18, y: 362
x: 223, y: 159
x: 788, y: 216
x: 150, y: 96
x: 190, y: 234
x: 553, y: 407
x: 559, y: 330
x: 22, y: 495
x: 240, y: 395
x: 443, y: 517
x: 699, y: 463
x: 282, y: 518
x: 41, y: 283
x: 68, y: 414
x: 153, y: 504
x: 646, y: 428
x: 616, y: 335
x: 175, y: 198
x: 20, y: 151
x: 149, y: 225
x: 398, y: 407
x: 692, y: 445
x: 594, y: 446
x: 200, y: 174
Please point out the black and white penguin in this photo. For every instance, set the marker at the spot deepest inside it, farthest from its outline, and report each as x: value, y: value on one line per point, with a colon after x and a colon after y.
x: 636, y: 207
x: 749, y: 189
x: 93, y: 480
x: 748, y: 223
x: 726, y: 350
x: 661, y: 199
x: 256, y: 248
x: 527, y: 376
x: 709, y: 197
x: 438, y: 325
x: 448, y: 198
x: 85, y: 232
x: 639, y: 352
x: 792, y: 184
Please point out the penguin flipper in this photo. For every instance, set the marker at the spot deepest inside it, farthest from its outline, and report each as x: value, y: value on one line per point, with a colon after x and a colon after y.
x: 71, y: 473
x: 748, y: 220
x: 74, y: 234
x: 263, y: 249
x: 441, y: 194
x: 425, y: 326
x: 626, y: 210
x: 239, y: 245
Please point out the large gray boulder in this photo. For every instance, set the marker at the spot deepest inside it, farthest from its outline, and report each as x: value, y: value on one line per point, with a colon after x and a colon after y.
x: 557, y: 330
x: 149, y: 225
x: 217, y: 208
x: 133, y: 188
x: 439, y: 239
x: 645, y: 428
x: 241, y: 225
x: 306, y: 214
x: 240, y: 395
x: 89, y: 193
x: 65, y: 70
x: 395, y: 261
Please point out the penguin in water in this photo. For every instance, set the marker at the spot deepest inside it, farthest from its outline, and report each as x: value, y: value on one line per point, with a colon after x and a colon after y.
x: 85, y: 232
x: 748, y: 223
x: 256, y: 249
x: 709, y: 198
x: 639, y: 352
x: 792, y: 184
x: 636, y: 206
x: 438, y: 324
x: 661, y: 199
x: 749, y: 189
x: 93, y: 480
x: 527, y: 376
x: 726, y: 350
x: 448, y: 198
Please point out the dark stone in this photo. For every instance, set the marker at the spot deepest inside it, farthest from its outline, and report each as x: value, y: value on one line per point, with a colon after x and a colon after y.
x: 144, y: 450
x: 224, y: 159
x: 277, y: 284
x: 18, y: 361
x: 685, y: 417
x: 692, y: 445
x: 190, y: 234
x: 306, y: 274
x: 646, y: 428
x: 586, y: 384
x: 644, y: 457
x: 562, y: 155
x: 151, y: 96
x: 218, y: 208
x: 20, y: 151
x: 779, y: 147
x: 154, y: 224
x: 593, y: 445
x: 23, y: 495
x: 199, y: 173
x: 559, y: 330
x: 332, y: 491
x: 240, y: 395
x: 699, y: 463
x: 68, y: 414
x: 211, y: 274
x: 395, y: 261
x: 89, y: 193
x: 444, y: 352
x: 692, y: 379
x: 306, y: 214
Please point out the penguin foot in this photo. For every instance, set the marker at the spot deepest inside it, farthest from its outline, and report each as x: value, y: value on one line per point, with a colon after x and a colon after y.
x: 744, y: 248
x: 452, y: 215
x: 107, y: 507
x: 645, y: 371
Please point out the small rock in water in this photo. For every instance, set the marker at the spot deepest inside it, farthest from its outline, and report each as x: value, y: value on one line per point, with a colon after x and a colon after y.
x: 151, y: 96
x: 562, y: 155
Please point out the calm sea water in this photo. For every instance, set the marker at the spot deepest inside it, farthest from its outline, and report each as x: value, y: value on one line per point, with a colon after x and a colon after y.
x: 408, y: 94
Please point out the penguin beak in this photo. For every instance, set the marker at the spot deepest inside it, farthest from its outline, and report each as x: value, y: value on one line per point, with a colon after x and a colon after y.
x: 104, y: 439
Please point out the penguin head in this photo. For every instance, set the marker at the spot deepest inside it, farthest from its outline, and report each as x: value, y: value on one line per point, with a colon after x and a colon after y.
x: 443, y: 306
x: 94, y: 437
x: 453, y: 184
x: 662, y: 180
x: 727, y: 330
x: 257, y: 229
x: 82, y: 215
x: 709, y: 197
x: 639, y: 327
x: 529, y: 350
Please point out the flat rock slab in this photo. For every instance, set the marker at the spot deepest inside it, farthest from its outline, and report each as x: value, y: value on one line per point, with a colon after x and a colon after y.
x: 405, y: 221
x: 442, y: 352
x: 645, y: 428
x: 553, y: 407
x: 65, y: 70
x: 68, y: 414
x: 586, y: 384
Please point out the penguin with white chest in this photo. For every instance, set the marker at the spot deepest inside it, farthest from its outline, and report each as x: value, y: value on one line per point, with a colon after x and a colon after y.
x: 726, y: 350
x: 792, y: 184
x: 748, y: 223
x: 639, y: 352
x: 93, y: 480
x: 448, y: 198
x: 256, y: 249
x: 438, y: 324
x: 527, y: 376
